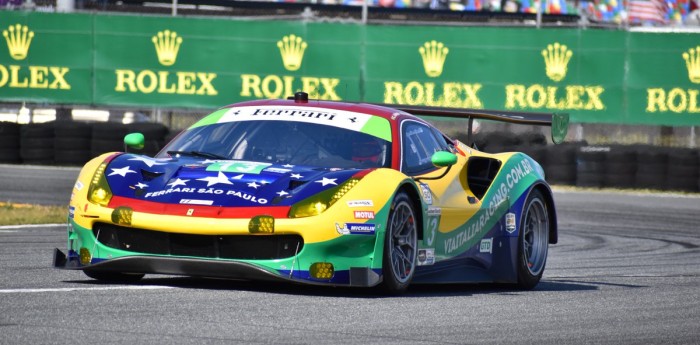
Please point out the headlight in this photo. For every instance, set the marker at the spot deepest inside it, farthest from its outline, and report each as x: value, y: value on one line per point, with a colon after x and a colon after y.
x: 318, y: 203
x: 99, y: 191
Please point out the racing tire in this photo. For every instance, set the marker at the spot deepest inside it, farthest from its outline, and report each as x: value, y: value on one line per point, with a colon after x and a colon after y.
x: 71, y: 143
x: 533, y: 241
x: 9, y: 128
x: 37, y: 143
x: 100, y: 146
x: 560, y: 173
x: 9, y: 141
x: 36, y: 156
x: 110, y: 131
x: 400, y: 245
x: 114, y: 277
x: 73, y: 129
x: 72, y: 157
x: 538, y: 153
x: 564, y: 154
x: 37, y: 130
x: 9, y: 155
x: 534, y: 139
x: 150, y: 130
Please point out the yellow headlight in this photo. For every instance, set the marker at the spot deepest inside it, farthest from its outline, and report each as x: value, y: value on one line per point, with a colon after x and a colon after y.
x: 308, y: 209
x: 319, y: 207
x: 318, y: 203
x: 99, y: 191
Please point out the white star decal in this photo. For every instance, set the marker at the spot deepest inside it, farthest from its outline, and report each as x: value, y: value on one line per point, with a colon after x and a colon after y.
x: 121, y: 172
x: 211, y: 180
x: 237, y: 177
x: 326, y: 181
x: 296, y: 176
x: 149, y: 161
x: 288, y: 166
x: 178, y: 182
x: 282, y: 193
x: 141, y: 185
x: 253, y: 185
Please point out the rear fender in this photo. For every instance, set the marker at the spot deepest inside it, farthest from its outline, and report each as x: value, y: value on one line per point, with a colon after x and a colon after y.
x: 551, y: 210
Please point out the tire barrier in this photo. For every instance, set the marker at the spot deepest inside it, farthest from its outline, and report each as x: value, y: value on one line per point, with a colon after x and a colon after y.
x: 154, y: 133
x: 614, y: 166
x: 591, y: 165
x: 499, y: 141
x: 561, y: 166
x: 538, y: 153
x: 621, y: 167
x: 9, y: 142
x: 36, y: 141
x: 651, y: 167
x: 107, y: 137
x: 682, y: 170
x: 72, y: 142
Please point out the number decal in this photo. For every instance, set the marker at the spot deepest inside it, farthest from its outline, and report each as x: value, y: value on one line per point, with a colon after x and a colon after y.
x: 432, y: 229
x: 238, y: 167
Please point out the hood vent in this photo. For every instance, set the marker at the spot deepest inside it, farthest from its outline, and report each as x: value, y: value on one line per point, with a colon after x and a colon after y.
x: 150, y: 175
x: 293, y: 184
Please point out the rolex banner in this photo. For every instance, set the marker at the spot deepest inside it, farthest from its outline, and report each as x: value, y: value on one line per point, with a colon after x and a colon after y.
x: 600, y: 76
x: 46, y: 58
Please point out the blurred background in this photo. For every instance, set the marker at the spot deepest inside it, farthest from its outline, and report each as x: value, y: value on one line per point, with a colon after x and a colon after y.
x: 77, y: 75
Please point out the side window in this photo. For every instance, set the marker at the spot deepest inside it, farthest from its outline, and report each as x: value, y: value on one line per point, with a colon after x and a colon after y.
x: 418, y: 145
x: 444, y: 144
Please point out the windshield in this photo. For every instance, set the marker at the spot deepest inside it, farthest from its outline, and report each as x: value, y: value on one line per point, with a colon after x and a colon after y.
x: 283, y: 142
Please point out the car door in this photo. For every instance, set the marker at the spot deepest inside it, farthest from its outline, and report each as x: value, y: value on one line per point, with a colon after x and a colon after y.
x: 450, y: 204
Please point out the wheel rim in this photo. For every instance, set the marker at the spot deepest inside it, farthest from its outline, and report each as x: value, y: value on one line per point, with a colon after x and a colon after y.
x: 403, y: 239
x: 535, y: 237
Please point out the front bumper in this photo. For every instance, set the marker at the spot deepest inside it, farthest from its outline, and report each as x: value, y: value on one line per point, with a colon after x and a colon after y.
x: 96, y: 245
x: 355, y: 276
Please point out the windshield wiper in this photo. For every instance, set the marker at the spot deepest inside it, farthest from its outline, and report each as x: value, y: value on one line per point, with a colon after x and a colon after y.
x: 197, y: 154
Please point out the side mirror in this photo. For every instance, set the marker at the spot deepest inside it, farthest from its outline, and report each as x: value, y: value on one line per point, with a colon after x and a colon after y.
x: 443, y: 159
x: 134, y: 141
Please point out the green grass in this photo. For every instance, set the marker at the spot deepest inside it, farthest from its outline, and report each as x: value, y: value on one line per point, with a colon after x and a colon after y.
x: 17, y: 214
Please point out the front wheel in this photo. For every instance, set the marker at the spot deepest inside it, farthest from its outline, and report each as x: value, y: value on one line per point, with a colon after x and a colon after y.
x: 400, y: 245
x: 533, y: 241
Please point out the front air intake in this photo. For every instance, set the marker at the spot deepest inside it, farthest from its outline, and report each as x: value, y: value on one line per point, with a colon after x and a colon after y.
x: 244, y: 247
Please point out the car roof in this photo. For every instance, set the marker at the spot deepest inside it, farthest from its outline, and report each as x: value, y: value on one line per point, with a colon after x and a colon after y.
x: 391, y: 114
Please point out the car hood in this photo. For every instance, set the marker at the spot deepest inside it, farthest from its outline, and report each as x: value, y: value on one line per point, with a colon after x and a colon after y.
x: 227, y: 183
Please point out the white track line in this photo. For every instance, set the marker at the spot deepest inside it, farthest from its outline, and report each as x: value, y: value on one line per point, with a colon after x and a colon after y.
x: 101, y: 288
x: 31, y: 226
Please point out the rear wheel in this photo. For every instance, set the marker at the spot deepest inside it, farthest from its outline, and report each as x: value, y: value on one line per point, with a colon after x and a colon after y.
x: 400, y: 245
x: 114, y: 277
x: 533, y: 241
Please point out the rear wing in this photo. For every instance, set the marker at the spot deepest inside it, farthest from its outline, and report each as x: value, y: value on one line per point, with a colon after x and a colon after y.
x: 558, y: 122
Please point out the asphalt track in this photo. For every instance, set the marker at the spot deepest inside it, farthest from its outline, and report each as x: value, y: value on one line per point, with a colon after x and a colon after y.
x: 626, y: 271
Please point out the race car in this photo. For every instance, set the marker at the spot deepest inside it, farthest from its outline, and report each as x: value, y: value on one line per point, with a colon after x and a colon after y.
x: 316, y: 192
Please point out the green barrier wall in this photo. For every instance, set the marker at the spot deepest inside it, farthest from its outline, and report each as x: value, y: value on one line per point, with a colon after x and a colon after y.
x: 597, y: 76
